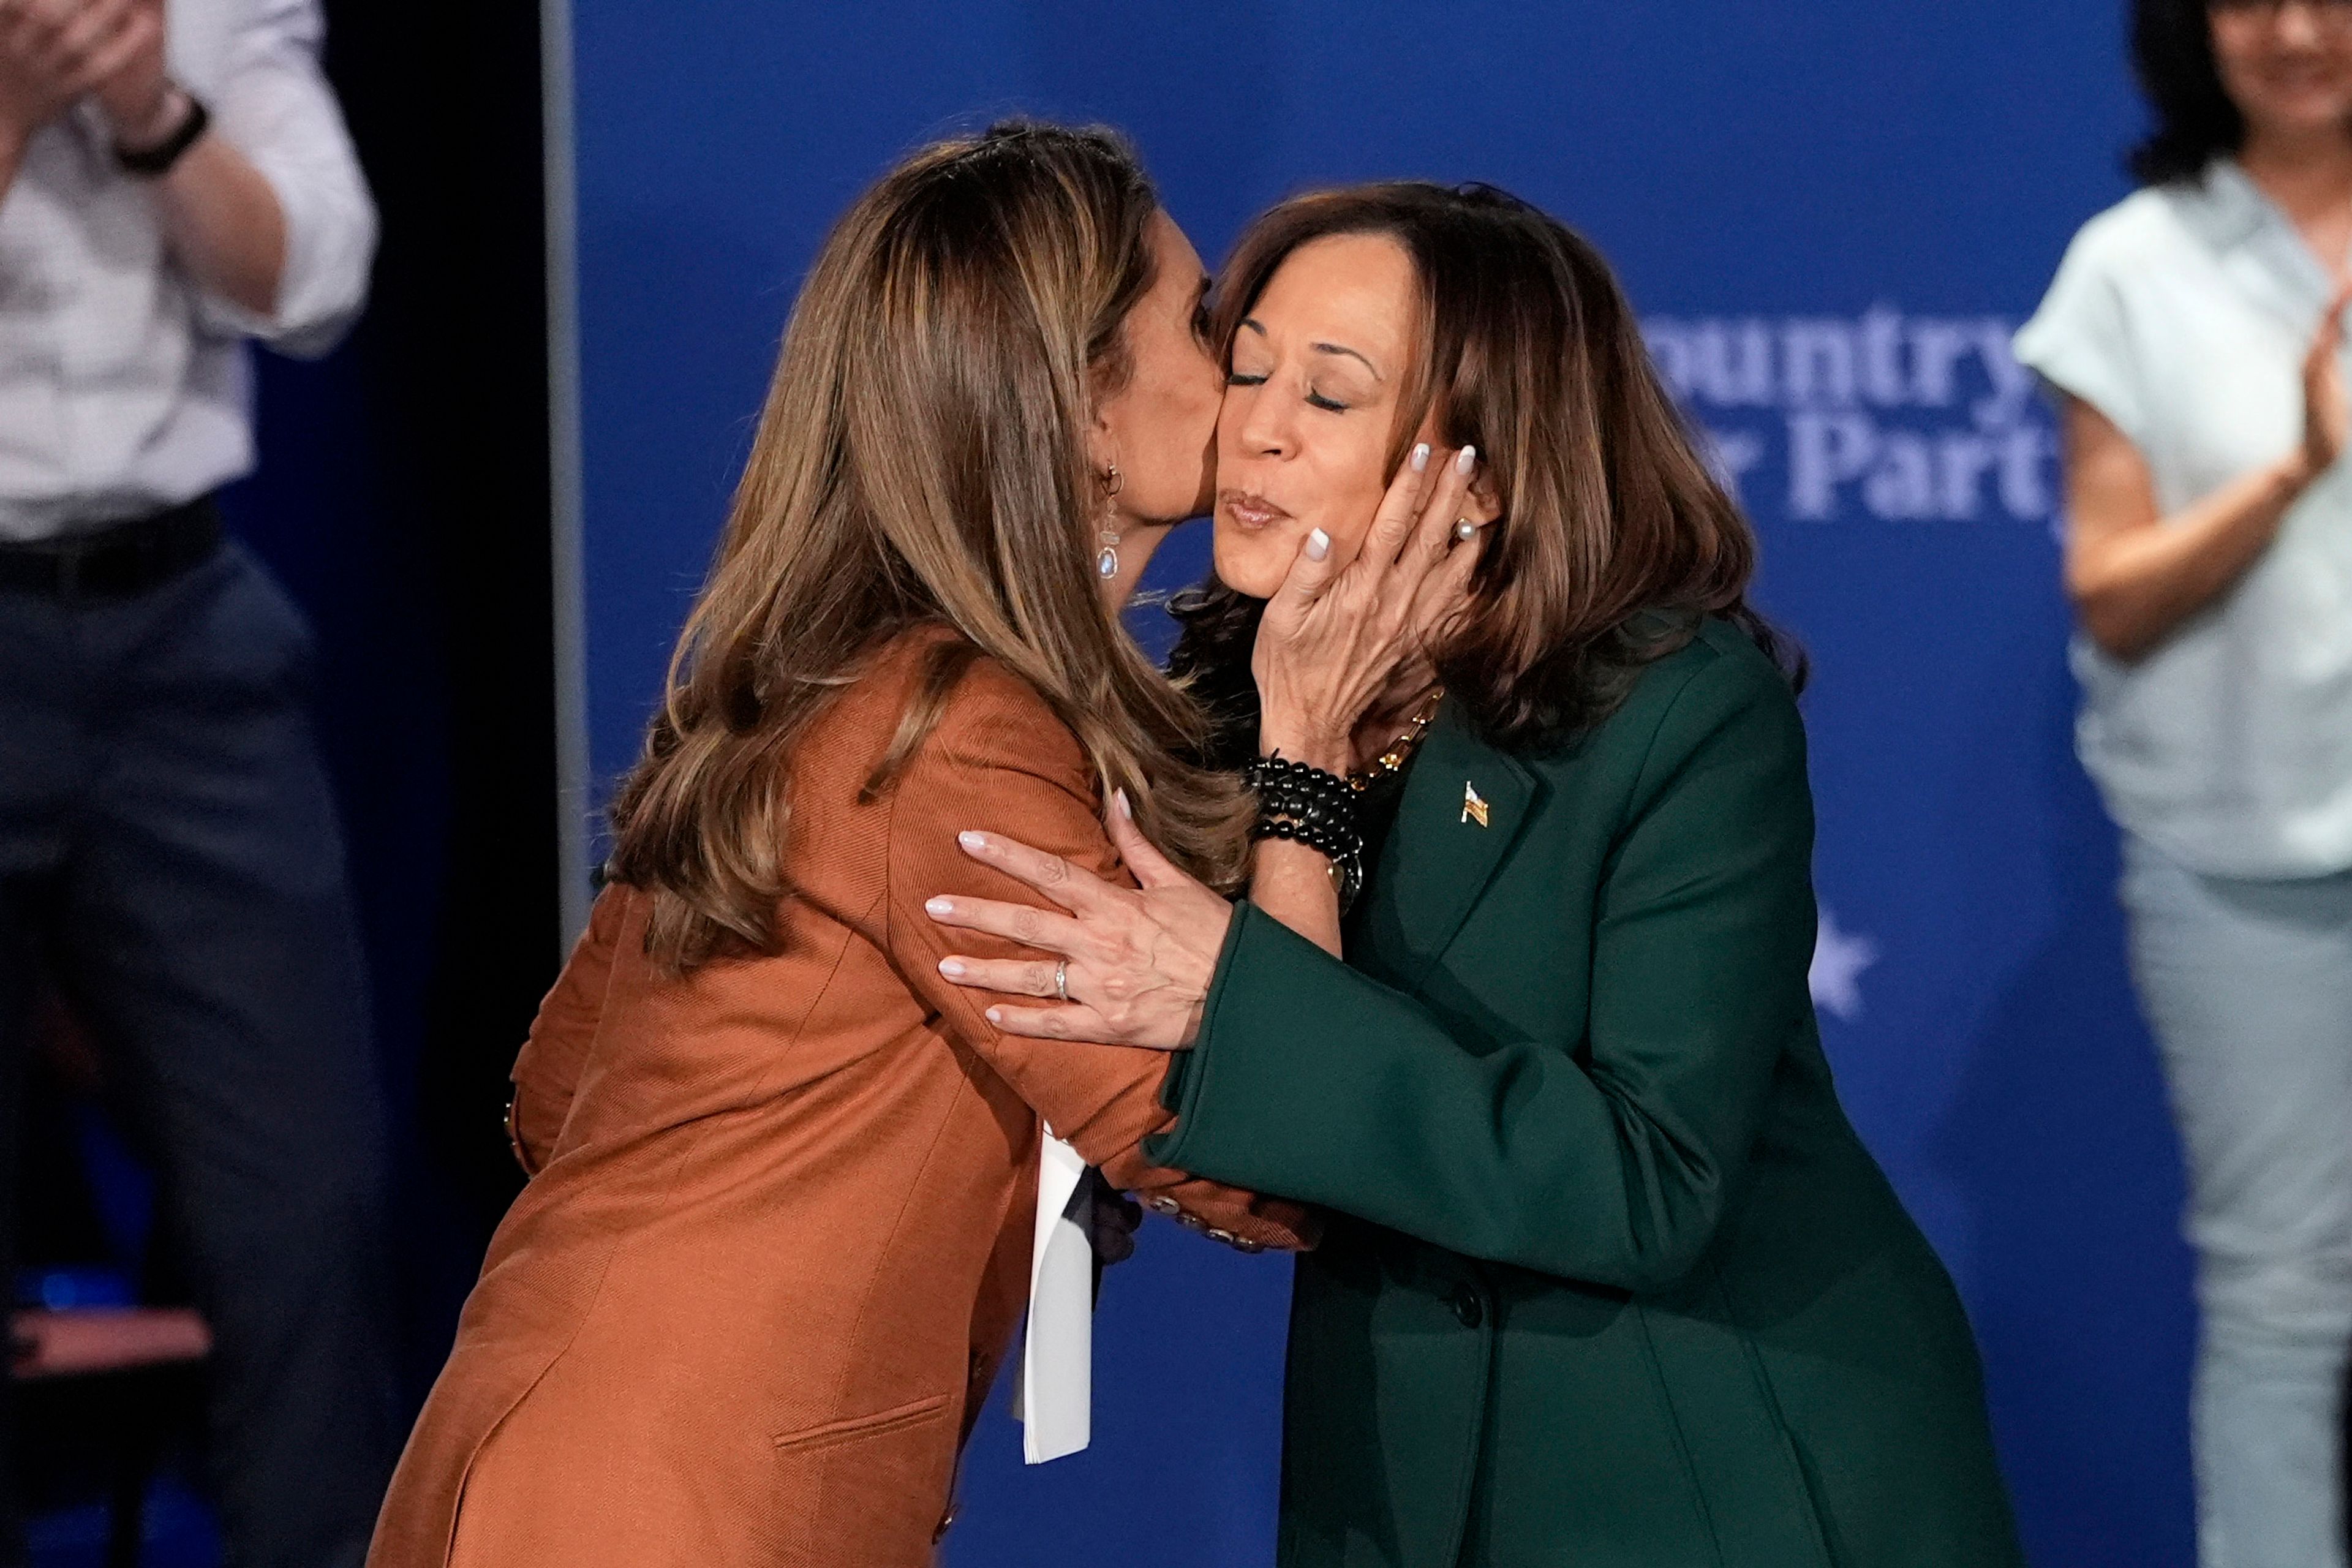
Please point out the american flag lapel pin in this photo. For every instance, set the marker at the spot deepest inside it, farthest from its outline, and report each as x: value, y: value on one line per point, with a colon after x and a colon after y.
x: 1474, y: 807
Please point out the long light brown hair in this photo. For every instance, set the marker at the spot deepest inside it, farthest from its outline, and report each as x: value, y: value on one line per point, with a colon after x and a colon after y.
x: 1614, y: 539
x: 921, y: 459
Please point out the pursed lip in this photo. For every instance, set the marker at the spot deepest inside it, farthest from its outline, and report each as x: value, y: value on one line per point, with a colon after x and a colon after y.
x: 2293, y: 74
x: 1250, y: 509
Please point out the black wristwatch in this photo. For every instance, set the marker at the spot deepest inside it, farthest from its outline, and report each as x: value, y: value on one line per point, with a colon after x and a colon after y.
x: 154, y: 163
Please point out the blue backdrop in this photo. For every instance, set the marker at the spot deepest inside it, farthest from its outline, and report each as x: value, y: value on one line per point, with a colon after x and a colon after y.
x: 1832, y: 213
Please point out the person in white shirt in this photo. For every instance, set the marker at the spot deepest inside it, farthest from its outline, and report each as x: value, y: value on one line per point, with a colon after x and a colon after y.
x: 175, y: 182
x: 2194, y: 336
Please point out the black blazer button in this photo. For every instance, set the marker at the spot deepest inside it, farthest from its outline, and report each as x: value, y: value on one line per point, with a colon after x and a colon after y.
x: 1467, y: 1309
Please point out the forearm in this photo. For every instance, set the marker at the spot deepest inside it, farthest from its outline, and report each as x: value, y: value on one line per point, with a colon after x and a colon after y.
x: 1287, y: 880
x: 1293, y: 884
x: 225, y: 224
x: 1299, y: 737
x: 1318, y: 1081
x: 2135, y: 587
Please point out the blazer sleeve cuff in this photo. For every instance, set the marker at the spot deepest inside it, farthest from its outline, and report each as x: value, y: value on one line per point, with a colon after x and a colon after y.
x: 1225, y: 1042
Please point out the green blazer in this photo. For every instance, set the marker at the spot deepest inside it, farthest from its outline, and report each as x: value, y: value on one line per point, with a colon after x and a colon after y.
x: 1614, y: 1282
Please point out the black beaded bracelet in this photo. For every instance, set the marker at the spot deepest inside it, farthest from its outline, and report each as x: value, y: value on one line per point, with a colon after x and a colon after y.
x: 1305, y: 804
x: 1277, y: 777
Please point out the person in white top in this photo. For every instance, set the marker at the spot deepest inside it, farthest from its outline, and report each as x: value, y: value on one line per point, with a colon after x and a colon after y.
x: 2194, y: 338
x: 177, y: 180
x: 126, y: 297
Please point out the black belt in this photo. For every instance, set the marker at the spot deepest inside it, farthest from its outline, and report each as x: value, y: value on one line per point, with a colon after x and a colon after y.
x: 119, y: 560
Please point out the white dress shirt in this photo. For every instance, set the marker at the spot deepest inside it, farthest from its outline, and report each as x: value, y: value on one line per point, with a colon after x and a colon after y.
x: 2183, y: 315
x: 124, y: 387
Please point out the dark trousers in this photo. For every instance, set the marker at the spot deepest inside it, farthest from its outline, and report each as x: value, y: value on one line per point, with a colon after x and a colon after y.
x: 169, y: 850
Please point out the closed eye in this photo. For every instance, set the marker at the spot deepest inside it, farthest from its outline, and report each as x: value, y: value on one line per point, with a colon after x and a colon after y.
x: 1319, y: 400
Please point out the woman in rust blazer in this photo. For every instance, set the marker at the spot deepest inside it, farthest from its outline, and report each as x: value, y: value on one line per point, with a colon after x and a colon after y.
x: 780, y: 1226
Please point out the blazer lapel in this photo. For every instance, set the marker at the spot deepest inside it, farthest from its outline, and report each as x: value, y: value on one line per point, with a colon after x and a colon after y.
x: 1462, y: 806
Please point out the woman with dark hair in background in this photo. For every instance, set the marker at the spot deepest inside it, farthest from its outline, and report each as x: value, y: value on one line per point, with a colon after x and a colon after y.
x: 2193, y: 337
x: 1610, y: 1281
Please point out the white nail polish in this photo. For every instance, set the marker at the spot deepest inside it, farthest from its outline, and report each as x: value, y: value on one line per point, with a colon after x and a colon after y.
x: 952, y: 968
x: 1319, y: 545
x: 973, y: 840
x: 1466, y: 461
x: 1126, y: 807
x: 938, y: 907
x: 1421, y: 457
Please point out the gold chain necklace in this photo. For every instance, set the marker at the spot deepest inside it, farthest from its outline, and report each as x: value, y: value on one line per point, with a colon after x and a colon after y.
x: 1399, y: 750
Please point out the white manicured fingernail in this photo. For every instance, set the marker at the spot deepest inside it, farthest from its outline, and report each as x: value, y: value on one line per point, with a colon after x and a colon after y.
x: 995, y: 1016
x: 1319, y: 545
x: 1421, y: 457
x: 940, y: 907
x: 1126, y: 809
x: 952, y: 967
x: 973, y: 840
x: 1466, y: 461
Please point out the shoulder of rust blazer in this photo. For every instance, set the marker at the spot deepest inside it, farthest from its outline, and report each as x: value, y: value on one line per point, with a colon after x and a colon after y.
x: 1621, y: 1285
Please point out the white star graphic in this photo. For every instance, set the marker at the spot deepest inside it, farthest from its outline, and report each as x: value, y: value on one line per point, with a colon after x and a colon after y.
x: 1839, y: 958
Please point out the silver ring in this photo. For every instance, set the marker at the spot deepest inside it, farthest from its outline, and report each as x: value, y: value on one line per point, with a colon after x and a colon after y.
x: 1062, y: 979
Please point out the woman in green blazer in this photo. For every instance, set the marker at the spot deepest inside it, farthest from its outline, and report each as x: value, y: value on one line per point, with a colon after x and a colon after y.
x: 1610, y: 1281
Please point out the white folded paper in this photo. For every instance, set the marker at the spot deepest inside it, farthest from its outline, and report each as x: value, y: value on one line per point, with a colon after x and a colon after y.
x: 1055, y: 1399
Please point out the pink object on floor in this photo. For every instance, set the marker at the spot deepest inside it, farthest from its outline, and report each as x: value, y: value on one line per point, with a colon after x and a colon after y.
x: 81, y: 1341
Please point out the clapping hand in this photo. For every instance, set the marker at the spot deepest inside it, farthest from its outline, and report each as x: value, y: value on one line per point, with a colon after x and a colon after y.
x: 2326, y: 416
x: 139, y: 98
x: 53, y: 52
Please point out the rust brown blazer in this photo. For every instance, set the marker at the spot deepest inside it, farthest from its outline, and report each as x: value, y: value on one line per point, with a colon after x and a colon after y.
x: 750, y: 1305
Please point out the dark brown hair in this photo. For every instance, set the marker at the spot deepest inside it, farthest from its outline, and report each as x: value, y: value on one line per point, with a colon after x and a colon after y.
x: 1614, y: 539
x: 2172, y: 54
x: 921, y: 459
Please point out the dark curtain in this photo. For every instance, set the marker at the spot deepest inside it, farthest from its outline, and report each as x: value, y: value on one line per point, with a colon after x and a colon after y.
x: 403, y: 498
